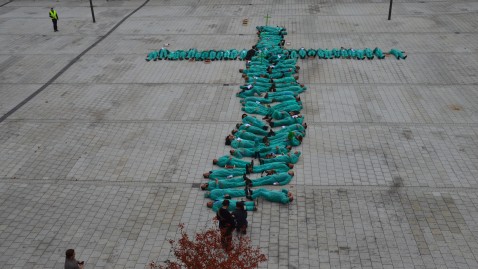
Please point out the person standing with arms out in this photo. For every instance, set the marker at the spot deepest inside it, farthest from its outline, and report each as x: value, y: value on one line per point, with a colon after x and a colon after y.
x: 71, y: 262
x: 54, y: 19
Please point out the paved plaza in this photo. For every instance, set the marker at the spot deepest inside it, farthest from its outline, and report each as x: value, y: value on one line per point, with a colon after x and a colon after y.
x: 102, y: 152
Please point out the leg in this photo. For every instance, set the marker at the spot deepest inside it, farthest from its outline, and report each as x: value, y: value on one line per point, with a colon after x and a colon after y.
x: 55, y: 27
x: 228, y: 238
x: 224, y: 237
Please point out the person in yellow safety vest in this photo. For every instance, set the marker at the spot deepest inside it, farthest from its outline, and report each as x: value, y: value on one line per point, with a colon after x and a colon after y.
x: 54, y: 19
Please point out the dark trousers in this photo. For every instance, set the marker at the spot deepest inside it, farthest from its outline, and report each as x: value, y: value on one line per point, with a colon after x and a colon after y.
x: 55, y: 27
x: 226, y: 237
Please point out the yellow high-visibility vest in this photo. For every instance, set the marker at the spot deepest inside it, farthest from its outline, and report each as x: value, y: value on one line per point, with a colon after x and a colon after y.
x: 53, y: 14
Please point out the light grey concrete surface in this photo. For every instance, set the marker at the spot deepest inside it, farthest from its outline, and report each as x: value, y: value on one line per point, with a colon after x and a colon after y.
x: 106, y: 158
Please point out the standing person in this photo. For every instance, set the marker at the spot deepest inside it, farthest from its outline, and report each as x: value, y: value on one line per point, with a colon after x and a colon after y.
x: 54, y: 19
x: 226, y: 225
x: 71, y: 262
x: 240, y: 214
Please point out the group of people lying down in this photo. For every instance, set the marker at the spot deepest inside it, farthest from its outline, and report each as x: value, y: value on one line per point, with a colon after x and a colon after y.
x: 270, y: 128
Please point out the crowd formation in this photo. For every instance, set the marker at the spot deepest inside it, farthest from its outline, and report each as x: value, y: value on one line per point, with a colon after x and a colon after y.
x: 272, y: 125
x: 302, y: 53
x: 262, y: 142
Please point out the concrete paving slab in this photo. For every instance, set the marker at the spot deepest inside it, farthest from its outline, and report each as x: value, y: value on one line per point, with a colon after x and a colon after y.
x: 107, y: 156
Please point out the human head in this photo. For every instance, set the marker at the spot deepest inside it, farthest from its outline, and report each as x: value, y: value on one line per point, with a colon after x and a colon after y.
x: 225, y: 203
x: 291, y: 173
x: 227, y: 197
x: 204, y: 186
x: 206, y: 175
x: 70, y: 253
x: 229, y: 139
x: 209, y: 204
x: 51, y: 8
x: 290, y: 165
x: 244, y: 115
x: 214, y: 161
x: 232, y: 151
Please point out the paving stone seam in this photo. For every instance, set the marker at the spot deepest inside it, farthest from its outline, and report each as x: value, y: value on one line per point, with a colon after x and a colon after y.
x: 258, y: 4
x: 188, y: 185
x: 309, y: 33
x: 403, y: 15
x: 6, y: 3
x: 238, y: 84
x: 391, y: 124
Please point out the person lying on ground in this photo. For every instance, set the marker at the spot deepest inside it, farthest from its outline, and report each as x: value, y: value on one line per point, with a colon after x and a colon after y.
x: 399, y: 54
x: 296, y: 119
x: 379, y: 53
x: 277, y: 167
x: 224, y: 194
x: 253, y: 121
x: 255, y: 99
x: 294, y: 127
x: 248, y: 136
x: 251, y: 129
x: 293, y: 139
x: 277, y: 94
x: 283, y: 196
x: 275, y: 179
x: 217, y: 204
x: 287, y: 158
x: 251, y: 92
x: 228, y: 162
x: 237, y: 142
x: 258, y: 153
x: 225, y: 173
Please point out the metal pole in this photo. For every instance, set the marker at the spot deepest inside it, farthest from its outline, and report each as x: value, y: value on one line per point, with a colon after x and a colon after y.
x: 389, y: 11
x: 92, y: 11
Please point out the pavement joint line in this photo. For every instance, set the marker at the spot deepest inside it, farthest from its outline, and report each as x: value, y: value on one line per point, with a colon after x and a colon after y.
x: 305, y: 33
x: 361, y: 2
x: 6, y: 3
x: 331, y: 15
x: 49, y: 82
x: 189, y: 185
x: 237, y: 84
x: 170, y: 122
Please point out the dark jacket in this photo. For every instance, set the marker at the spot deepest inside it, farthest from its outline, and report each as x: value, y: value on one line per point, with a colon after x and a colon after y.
x: 241, y: 217
x: 225, y: 218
